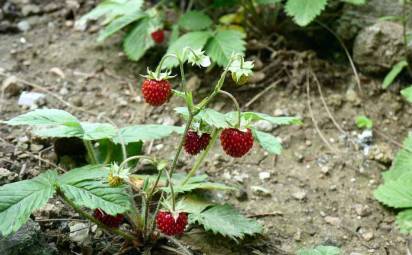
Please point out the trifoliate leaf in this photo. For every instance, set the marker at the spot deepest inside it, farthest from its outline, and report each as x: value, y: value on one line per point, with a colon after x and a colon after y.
x: 195, y: 20
x: 407, y: 94
x: 225, y: 220
x: 146, y: 132
x: 225, y: 43
x: 402, y: 163
x: 138, y: 40
x: 304, y: 11
x: 195, y: 40
x: 396, y: 193
x: 198, y: 57
x: 268, y: 142
x: 364, y: 122
x: 393, y: 73
x: 214, y: 118
x: 404, y: 221
x: 320, y: 250
x: 19, y: 199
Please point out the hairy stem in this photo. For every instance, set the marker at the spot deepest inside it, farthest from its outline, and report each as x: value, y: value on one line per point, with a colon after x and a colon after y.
x: 90, y: 151
x: 149, y: 200
x: 95, y: 221
x: 124, y: 163
x: 236, y: 105
x: 201, y: 157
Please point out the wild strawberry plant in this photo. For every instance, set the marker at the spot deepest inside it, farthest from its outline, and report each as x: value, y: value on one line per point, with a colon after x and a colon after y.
x: 110, y: 191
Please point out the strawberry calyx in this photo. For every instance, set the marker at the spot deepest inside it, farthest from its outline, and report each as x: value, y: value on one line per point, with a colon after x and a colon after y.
x: 158, y: 76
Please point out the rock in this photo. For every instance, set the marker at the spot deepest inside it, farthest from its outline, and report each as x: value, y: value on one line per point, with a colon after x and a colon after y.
x: 79, y: 232
x: 36, y: 147
x: 29, y: 9
x: 257, y: 77
x: 335, y: 221
x: 368, y: 236
x: 58, y: 72
x: 23, y: 26
x: 28, y: 240
x: 260, y: 191
x: 365, y: 138
x: 335, y: 100
x: 352, y: 97
x: 30, y: 99
x: 300, y: 195
x: 264, y: 125
x: 241, y: 194
x: 11, y: 86
x: 77, y: 101
x: 362, y: 210
x: 379, y: 47
x: 381, y: 153
x: 50, y: 210
x: 264, y: 176
x: 7, y: 176
x: 356, y: 17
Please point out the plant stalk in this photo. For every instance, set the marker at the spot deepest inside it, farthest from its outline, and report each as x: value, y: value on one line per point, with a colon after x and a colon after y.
x: 236, y: 105
x: 90, y: 152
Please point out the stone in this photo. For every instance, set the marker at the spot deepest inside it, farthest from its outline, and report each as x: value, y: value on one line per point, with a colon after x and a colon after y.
x: 335, y: 221
x: 264, y: 125
x: 29, y: 9
x: 241, y: 194
x: 260, y: 191
x: 368, y: 236
x: 30, y: 98
x: 352, y: 97
x: 28, y: 240
x: 7, y: 176
x: 58, y: 72
x: 79, y: 232
x: 299, y: 195
x: 379, y: 47
x: 362, y: 210
x: 381, y: 153
x: 50, y: 210
x: 23, y: 26
x: 193, y: 84
x: 11, y: 86
x: 257, y: 77
x: 264, y: 176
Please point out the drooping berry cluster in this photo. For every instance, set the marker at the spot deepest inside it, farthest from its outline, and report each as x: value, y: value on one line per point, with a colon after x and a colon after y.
x: 158, y: 36
x: 156, y: 92
x: 235, y: 142
x: 168, y: 225
x: 107, y: 219
x: 195, y: 143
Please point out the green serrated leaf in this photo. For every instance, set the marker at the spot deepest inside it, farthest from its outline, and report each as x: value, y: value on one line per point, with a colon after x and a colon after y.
x: 364, y: 122
x: 225, y: 220
x: 355, y: 2
x: 393, y: 73
x: 402, y: 163
x: 195, y: 20
x: 192, y: 203
x: 96, y: 131
x: 19, y: 199
x: 268, y: 142
x: 304, y: 11
x: 320, y: 250
x: 138, y: 40
x: 195, y: 40
x: 225, y: 43
x: 255, y: 116
x: 404, y: 221
x: 59, y: 131
x: 200, y: 185
x: 407, y: 93
x: 214, y: 118
x: 87, y: 187
x: 45, y: 117
x: 146, y: 132
x: 396, y: 193
x: 118, y: 24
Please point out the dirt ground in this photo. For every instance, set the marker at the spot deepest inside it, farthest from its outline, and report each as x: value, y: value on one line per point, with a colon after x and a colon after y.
x: 316, y: 192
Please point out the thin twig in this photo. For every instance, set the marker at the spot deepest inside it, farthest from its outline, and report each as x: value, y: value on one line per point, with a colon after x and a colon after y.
x: 177, y: 243
x: 315, y: 123
x: 260, y: 94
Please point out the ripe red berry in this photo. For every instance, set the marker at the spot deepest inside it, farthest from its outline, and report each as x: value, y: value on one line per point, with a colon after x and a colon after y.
x: 156, y: 92
x: 167, y: 224
x: 236, y: 143
x: 108, y: 220
x: 158, y: 36
x: 195, y: 143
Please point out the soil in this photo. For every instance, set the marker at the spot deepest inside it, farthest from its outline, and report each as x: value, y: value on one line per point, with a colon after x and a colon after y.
x: 317, y: 193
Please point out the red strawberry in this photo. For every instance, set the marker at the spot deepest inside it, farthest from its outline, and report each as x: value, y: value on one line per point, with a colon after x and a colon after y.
x: 236, y: 143
x: 156, y: 92
x: 195, y: 143
x: 108, y: 220
x: 158, y: 36
x: 168, y: 225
